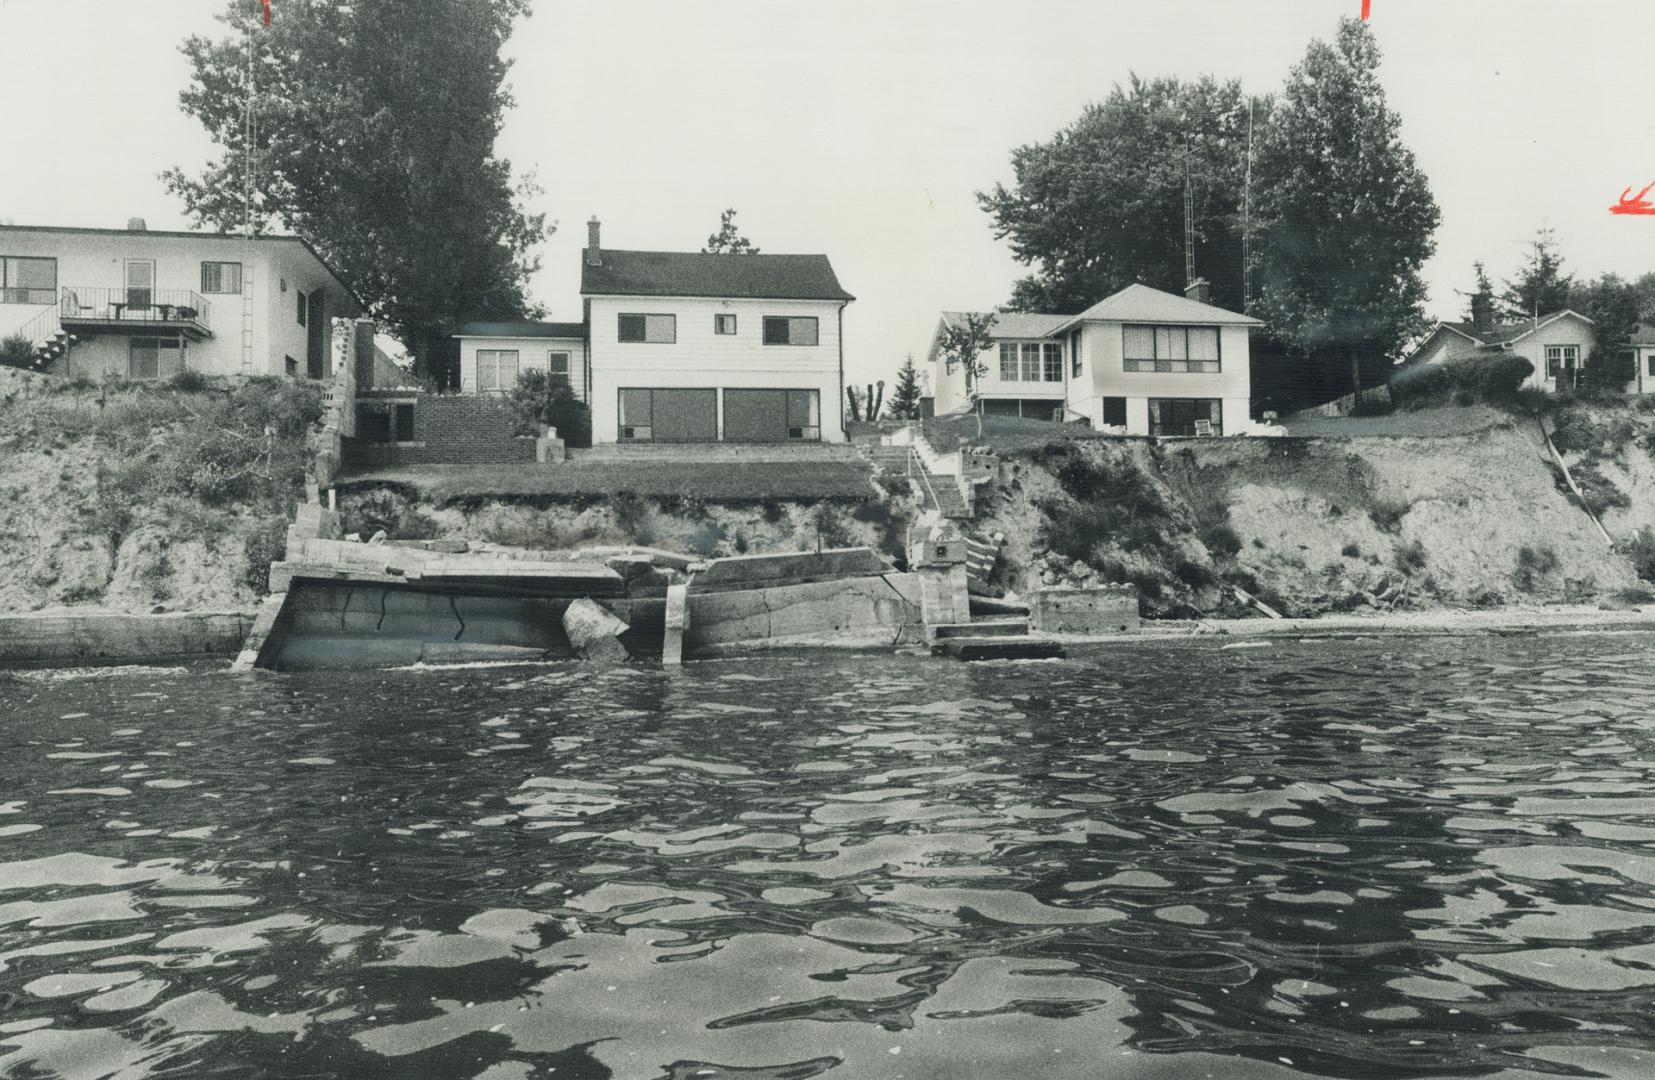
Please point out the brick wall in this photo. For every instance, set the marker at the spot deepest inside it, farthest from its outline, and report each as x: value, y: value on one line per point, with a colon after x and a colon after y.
x: 449, y: 429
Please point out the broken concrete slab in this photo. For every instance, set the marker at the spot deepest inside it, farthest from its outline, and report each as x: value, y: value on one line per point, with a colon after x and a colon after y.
x: 863, y: 610
x: 677, y: 622
x: 797, y: 567
x: 105, y: 636
x: 593, y: 632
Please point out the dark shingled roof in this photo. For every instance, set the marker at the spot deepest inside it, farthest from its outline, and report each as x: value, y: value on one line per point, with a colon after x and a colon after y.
x: 523, y: 329
x: 674, y: 273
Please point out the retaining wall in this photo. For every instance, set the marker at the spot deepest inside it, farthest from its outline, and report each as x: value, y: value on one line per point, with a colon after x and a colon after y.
x: 100, y: 637
x: 449, y: 429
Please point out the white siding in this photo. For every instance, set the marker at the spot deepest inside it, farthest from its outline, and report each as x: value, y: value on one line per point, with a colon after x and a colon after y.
x: 1104, y: 375
x: 1565, y: 331
x: 533, y: 354
x: 700, y: 358
x: 97, y: 260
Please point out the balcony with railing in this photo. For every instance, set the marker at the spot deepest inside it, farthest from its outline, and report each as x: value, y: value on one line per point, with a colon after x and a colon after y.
x: 135, y: 311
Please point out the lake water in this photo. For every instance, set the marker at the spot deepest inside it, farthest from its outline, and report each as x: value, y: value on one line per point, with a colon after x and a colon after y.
x: 1400, y: 858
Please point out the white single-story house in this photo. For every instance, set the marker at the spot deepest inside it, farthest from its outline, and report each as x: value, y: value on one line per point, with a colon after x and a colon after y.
x: 1558, y: 345
x: 679, y: 347
x: 1140, y: 362
x: 493, y: 354
x: 1642, y: 344
x: 147, y: 304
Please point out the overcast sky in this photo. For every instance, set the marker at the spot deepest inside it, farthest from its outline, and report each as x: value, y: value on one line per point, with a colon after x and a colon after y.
x: 862, y: 128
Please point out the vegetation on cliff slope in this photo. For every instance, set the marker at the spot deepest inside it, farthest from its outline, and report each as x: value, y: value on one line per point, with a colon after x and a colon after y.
x: 130, y: 495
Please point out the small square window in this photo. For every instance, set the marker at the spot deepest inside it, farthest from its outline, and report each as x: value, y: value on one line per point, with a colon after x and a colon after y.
x: 558, y: 363
x: 221, y: 277
x: 724, y: 324
x: 291, y: 366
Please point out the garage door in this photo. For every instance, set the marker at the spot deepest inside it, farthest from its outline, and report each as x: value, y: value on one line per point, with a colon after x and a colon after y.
x: 772, y: 415
x: 668, y: 415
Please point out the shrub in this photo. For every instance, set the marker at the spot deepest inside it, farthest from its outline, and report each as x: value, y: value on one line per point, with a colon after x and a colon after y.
x: 541, y: 398
x: 1387, y: 514
x: 830, y: 531
x: 1410, y: 557
x: 1193, y: 574
x: 1495, y: 378
x: 632, y: 516
x: 264, y: 544
x: 1121, y: 484
x: 1636, y: 594
x: 1533, y: 565
x: 1641, y: 550
x: 398, y: 518
x: 189, y: 382
x: 1220, y: 539
x: 1597, y: 491
x: 1351, y: 551
x: 17, y: 351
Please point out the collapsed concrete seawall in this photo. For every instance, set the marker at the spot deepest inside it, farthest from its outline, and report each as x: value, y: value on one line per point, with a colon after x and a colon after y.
x: 109, y: 637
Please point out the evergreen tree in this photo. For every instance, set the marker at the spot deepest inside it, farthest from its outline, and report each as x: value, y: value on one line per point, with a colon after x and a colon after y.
x: 727, y: 240
x: 904, y: 403
x: 1480, y: 308
x: 1101, y: 205
x: 1344, y: 214
x: 1541, y: 287
x: 376, y: 128
x: 1612, y: 305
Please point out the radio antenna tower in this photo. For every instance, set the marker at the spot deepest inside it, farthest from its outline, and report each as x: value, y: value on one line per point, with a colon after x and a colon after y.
x: 1189, y: 227
x: 1247, y: 221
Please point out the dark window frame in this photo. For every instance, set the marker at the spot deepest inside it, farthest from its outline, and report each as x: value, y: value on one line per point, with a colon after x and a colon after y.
x: 1171, y: 365
x: 220, y: 267
x: 155, y: 346
x: 1215, y: 415
x: 1554, y: 364
x: 643, y: 337
x: 1074, y: 354
x: 1117, y: 407
x: 551, y: 362
x: 26, y: 294
x: 788, y: 321
x: 303, y: 314
x: 718, y: 321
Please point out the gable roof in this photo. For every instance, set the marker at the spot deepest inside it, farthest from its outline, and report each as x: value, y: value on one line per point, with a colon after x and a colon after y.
x: 267, y: 238
x: 1012, y: 324
x: 1500, y: 334
x: 678, y: 273
x: 563, y: 330
x: 1139, y: 303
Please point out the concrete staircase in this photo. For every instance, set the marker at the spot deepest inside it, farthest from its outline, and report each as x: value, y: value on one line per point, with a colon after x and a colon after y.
x: 941, y: 493
x: 992, y: 639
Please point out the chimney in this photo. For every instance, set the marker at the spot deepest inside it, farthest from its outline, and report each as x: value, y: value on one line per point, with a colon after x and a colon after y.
x: 136, y: 224
x: 594, y: 254
x: 1200, y: 290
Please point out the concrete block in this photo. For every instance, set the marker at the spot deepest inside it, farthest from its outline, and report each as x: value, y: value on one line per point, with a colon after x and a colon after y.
x: 593, y: 632
x: 677, y: 622
x: 945, y: 595
x: 1108, y: 609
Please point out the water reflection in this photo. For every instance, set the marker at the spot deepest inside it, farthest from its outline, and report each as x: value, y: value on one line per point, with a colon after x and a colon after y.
x: 1381, y: 859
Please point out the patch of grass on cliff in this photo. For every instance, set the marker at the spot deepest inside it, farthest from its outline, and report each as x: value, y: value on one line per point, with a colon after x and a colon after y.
x: 1597, y: 491
x: 1641, y: 550
x: 1534, y: 565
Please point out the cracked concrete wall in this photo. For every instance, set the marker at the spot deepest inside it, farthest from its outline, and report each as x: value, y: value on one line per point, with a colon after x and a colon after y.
x: 865, y: 610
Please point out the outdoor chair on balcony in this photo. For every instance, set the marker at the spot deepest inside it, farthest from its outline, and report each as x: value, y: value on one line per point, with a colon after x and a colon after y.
x: 71, y: 304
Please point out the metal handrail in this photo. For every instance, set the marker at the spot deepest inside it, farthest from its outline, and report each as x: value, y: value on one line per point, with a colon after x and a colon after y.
x: 41, y: 328
x: 924, y: 476
x: 134, y: 305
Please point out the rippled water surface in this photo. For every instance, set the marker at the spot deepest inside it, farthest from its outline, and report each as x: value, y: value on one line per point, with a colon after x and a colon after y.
x: 1419, y: 858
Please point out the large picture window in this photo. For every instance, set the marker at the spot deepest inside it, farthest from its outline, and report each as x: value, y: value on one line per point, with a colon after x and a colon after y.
x: 1178, y: 349
x: 221, y: 277
x: 1186, y: 416
x: 1031, y: 361
x: 152, y: 358
x: 496, y: 370
x: 791, y: 330
x: 26, y: 280
x: 651, y: 329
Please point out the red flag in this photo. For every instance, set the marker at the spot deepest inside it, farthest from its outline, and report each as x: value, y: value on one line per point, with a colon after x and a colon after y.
x: 267, y: 12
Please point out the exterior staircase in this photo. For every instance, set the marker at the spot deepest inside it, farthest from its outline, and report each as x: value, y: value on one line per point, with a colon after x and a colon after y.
x: 992, y: 639
x: 46, y: 333
x: 940, y: 493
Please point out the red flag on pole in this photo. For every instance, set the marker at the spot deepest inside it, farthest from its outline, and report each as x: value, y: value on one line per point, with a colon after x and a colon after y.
x: 267, y: 12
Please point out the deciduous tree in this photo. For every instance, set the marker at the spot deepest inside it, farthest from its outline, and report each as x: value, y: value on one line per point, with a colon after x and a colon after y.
x: 728, y: 240
x: 1101, y: 204
x: 375, y: 141
x: 962, y: 344
x: 1344, y: 214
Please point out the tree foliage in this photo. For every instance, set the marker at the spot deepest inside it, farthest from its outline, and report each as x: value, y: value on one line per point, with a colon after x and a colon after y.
x: 541, y: 398
x: 904, y: 403
x: 1540, y: 287
x: 1480, y: 307
x: 1612, y: 304
x: 1344, y: 214
x: 728, y: 240
x: 1101, y: 205
x: 962, y: 345
x: 376, y: 128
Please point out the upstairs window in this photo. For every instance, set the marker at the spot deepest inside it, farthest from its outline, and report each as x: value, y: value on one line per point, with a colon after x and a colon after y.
x: 558, y: 364
x: 790, y: 330
x: 652, y: 329
x: 25, y: 280
x: 1177, y: 349
x: 724, y: 324
x: 221, y: 277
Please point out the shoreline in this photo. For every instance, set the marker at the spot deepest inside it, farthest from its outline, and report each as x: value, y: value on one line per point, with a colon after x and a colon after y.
x: 68, y: 638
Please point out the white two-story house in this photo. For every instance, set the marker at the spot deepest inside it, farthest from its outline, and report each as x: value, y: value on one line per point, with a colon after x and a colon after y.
x: 144, y: 304
x: 1141, y: 362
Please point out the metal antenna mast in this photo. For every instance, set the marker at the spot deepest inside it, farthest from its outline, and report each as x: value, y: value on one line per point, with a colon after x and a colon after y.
x: 1189, y: 226
x: 1247, y: 221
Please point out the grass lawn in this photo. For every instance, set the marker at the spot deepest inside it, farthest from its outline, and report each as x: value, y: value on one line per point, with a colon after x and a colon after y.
x: 1002, y: 433
x: 726, y: 481
x: 1434, y: 422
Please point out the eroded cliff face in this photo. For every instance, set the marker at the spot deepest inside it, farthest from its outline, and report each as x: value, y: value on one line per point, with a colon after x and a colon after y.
x: 1318, y: 525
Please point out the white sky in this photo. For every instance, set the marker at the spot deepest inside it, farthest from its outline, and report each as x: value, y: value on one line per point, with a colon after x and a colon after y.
x: 862, y: 128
